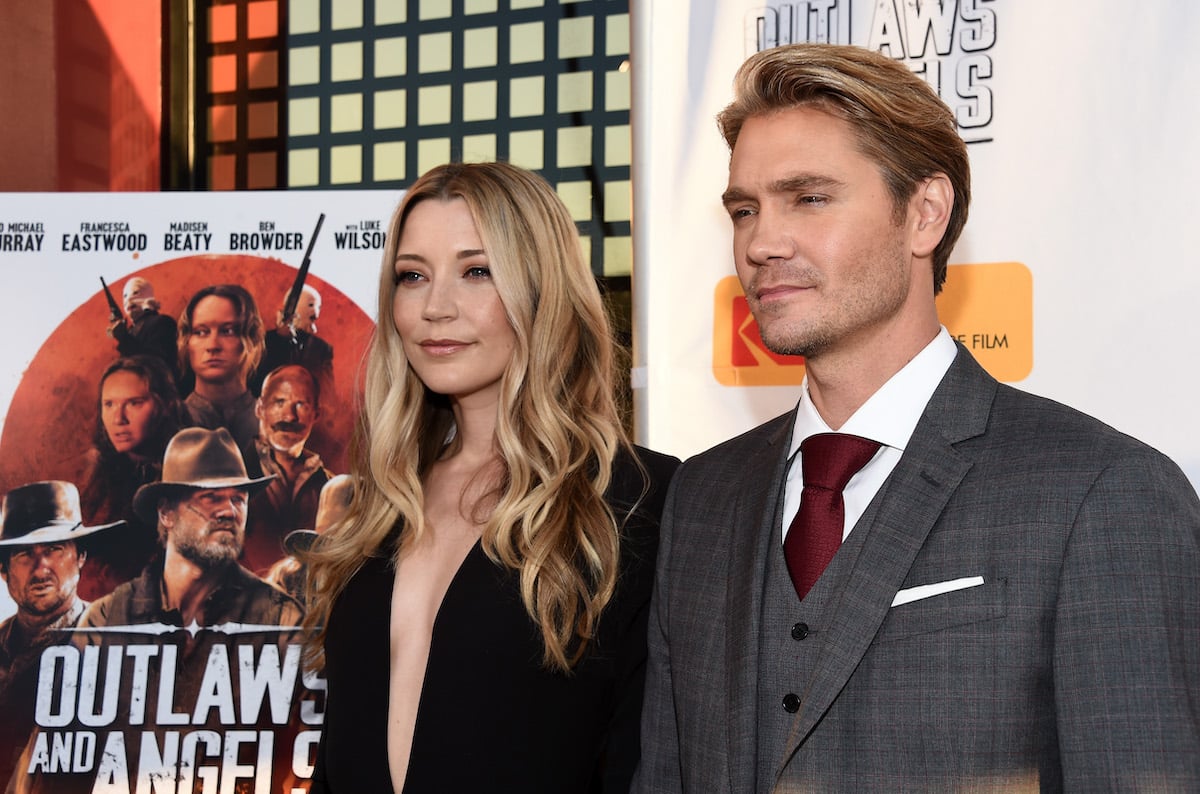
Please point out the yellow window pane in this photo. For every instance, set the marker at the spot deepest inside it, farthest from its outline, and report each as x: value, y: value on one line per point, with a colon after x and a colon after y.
x: 346, y: 113
x: 391, y: 57
x: 616, y: 35
x: 304, y: 116
x: 616, y: 91
x: 345, y: 165
x: 526, y: 43
x: 578, y: 198
x: 304, y: 66
x: 617, y: 201
x: 304, y: 16
x: 391, y: 109
x: 574, y: 146
x: 389, y: 160
x: 347, y: 14
x: 617, y: 145
x: 434, y: 9
x: 574, y: 92
x: 304, y: 167
x: 515, y: 4
x: 525, y: 149
x: 433, y: 105
x: 479, y: 148
x: 618, y: 256
x: 390, y: 12
x: 526, y: 96
x: 575, y: 37
x: 479, y: 101
x: 479, y: 48
x: 346, y: 60
x: 431, y: 152
x: 480, y: 6
x: 435, y: 49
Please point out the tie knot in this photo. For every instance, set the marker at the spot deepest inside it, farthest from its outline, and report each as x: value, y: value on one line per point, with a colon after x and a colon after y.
x: 829, y: 460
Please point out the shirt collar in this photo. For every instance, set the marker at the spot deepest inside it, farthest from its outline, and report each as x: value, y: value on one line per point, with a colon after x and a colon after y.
x: 891, y: 414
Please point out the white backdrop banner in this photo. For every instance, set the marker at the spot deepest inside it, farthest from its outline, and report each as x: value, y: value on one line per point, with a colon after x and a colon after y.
x: 1076, y: 277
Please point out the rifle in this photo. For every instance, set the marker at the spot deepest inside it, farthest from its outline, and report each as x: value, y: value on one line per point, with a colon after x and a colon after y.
x: 114, y: 308
x: 293, y: 296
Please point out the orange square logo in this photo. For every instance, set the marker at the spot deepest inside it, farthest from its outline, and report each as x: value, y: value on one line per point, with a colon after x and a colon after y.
x: 739, y: 356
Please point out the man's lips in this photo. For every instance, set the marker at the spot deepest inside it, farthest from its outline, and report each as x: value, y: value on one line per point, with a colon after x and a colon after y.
x: 770, y: 292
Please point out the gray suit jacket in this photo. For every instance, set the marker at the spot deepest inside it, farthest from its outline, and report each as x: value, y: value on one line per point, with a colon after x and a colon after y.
x: 1075, y: 666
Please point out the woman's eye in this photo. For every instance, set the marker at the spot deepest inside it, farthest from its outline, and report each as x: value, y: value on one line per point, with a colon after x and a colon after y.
x: 479, y: 271
x: 407, y: 277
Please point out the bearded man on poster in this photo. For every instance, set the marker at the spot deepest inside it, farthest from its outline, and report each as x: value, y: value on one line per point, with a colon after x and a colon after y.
x: 200, y: 507
x: 40, y: 562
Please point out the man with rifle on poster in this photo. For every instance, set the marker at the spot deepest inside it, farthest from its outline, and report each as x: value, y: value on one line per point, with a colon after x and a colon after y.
x: 295, y: 339
x: 147, y: 332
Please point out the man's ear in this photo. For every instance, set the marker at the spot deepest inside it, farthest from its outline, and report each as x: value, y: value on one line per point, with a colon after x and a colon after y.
x: 933, y: 202
x: 166, y: 513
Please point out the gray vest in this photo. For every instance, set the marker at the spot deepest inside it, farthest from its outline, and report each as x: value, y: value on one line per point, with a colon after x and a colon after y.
x: 790, y: 643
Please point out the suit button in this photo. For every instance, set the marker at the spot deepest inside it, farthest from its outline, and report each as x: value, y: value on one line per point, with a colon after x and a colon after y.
x: 799, y: 631
x: 791, y: 703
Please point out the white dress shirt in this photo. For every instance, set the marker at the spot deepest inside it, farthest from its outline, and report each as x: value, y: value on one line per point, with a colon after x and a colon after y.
x: 889, y: 416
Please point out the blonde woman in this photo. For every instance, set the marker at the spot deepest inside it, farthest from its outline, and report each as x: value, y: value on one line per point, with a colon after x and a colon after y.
x: 481, y: 611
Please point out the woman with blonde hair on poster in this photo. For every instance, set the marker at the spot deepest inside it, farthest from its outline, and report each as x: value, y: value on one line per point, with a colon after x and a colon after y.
x: 480, y: 613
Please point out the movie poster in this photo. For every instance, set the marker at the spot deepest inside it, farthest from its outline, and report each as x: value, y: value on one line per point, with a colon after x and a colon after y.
x: 168, y: 441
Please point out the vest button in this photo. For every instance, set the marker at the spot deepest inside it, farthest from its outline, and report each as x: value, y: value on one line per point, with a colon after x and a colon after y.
x: 791, y: 703
x: 799, y: 631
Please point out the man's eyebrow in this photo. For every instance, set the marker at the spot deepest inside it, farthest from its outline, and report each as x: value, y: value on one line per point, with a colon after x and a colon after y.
x: 801, y: 182
x: 797, y: 183
x: 733, y: 196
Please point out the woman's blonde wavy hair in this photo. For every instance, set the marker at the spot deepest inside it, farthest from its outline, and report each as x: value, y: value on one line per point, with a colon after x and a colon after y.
x: 558, y: 427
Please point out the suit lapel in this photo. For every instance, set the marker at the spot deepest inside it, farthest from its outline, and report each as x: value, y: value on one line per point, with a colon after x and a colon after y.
x: 897, y: 522
x: 754, y: 516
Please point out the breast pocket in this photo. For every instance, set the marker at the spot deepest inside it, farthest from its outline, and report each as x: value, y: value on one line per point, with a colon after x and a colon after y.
x: 946, y: 610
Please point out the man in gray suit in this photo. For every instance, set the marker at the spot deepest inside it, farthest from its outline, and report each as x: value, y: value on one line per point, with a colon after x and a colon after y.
x: 1015, y: 600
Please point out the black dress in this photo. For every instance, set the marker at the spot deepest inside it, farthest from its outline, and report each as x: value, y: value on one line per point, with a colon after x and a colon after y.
x: 490, y: 717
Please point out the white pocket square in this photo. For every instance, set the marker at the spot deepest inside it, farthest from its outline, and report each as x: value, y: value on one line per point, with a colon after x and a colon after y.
x: 929, y: 590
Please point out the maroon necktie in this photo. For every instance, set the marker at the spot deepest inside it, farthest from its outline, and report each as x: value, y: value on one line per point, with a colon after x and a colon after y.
x: 829, y: 460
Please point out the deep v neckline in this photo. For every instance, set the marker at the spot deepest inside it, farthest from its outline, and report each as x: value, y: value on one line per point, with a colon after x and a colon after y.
x: 454, y: 584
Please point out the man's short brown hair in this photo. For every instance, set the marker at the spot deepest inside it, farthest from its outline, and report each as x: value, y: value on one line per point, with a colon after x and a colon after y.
x: 900, y: 122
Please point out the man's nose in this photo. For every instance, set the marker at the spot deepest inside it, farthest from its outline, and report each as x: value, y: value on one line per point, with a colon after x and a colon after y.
x: 122, y: 415
x: 771, y: 239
